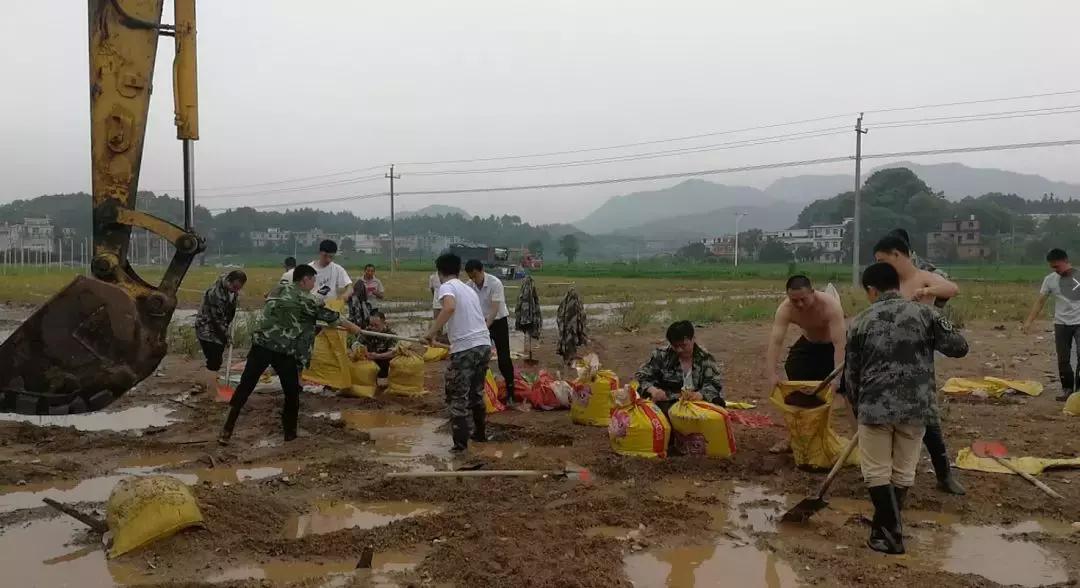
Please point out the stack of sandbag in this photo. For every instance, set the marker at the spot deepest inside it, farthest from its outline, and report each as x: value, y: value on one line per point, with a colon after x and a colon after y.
x: 592, y: 399
x: 638, y: 428
x: 436, y: 354
x: 406, y: 376
x: 701, y: 428
x: 330, y: 356
x: 364, y: 375
x: 492, y: 403
x: 814, y: 443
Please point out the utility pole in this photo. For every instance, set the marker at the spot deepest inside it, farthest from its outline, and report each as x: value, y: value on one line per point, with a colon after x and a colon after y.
x: 393, y: 238
x: 738, y: 217
x: 859, y: 132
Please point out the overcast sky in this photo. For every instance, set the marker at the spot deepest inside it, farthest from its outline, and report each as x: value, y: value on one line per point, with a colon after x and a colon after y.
x: 292, y: 89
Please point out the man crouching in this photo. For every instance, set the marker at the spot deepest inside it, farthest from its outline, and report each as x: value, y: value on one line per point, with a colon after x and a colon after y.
x: 889, y: 378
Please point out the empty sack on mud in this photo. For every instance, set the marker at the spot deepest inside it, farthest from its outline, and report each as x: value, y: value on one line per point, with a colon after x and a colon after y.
x: 814, y: 444
x: 701, y: 428
x: 142, y: 510
x: 639, y: 429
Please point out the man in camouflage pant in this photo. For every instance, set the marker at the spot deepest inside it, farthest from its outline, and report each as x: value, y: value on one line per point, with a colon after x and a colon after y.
x: 214, y: 319
x: 889, y: 378
x: 470, y: 352
x: 283, y: 337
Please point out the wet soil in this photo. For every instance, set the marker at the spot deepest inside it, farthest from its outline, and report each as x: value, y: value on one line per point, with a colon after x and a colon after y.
x: 302, y: 513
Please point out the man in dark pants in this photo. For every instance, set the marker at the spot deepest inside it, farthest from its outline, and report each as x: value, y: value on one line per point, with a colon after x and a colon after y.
x: 470, y: 352
x: 496, y: 314
x: 930, y: 288
x: 282, y: 339
x: 1064, y: 284
x: 214, y: 319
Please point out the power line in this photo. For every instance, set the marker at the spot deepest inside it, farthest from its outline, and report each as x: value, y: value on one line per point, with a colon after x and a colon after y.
x: 946, y: 120
x: 1006, y: 147
x: 360, y: 180
x: 967, y: 102
x: 306, y: 202
x: 285, y: 181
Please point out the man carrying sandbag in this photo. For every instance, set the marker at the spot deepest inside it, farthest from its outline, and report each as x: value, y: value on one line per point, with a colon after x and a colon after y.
x: 681, y: 366
x: 379, y: 349
x: 470, y: 351
x: 889, y: 377
x: 821, y: 346
x: 283, y: 337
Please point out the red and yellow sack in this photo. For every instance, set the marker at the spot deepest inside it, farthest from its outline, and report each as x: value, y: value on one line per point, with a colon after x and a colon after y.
x: 491, y: 394
x: 701, y: 428
x: 639, y: 429
x: 594, y: 399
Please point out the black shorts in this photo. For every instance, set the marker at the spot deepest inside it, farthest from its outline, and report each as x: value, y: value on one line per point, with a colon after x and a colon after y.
x: 808, y: 361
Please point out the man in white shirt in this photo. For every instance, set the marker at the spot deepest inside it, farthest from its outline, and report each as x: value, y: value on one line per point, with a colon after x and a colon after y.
x: 290, y: 265
x: 375, y: 290
x: 470, y: 352
x: 434, y: 283
x: 331, y: 280
x: 493, y: 303
x: 1064, y: 284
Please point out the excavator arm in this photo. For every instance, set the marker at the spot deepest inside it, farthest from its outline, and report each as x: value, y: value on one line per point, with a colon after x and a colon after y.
x: 101, y: 335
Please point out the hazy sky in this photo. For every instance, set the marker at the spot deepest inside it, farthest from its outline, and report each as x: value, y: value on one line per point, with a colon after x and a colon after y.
x: 291, y: 89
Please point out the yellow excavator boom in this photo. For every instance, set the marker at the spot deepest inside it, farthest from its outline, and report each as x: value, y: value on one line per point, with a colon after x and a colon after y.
x: 101, y: 335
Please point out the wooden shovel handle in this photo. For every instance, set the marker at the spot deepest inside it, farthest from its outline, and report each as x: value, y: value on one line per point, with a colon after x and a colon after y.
x: 844, y: 455
x: 829, y: 378
x: 405, y: 339
x: 1050, y: 491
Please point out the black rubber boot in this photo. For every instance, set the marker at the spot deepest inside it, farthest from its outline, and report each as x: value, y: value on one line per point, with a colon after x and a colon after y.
x: 479, y: 415
x: 886, y: 533
x: 230, y: 423
x: 939, y: 456
x: 459, y: 431
x: 901, y: 497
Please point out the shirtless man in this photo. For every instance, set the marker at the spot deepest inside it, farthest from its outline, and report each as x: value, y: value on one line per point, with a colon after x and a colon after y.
x: 819, y: 349
x: 933, y: 289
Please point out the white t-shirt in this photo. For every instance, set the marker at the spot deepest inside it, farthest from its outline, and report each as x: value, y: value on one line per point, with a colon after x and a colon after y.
x: 1066, y: 310
x: 328, y: 280
x: 434, y: 284
x: 286, y: 277
x: 491, y: 293
x: 467, y: 327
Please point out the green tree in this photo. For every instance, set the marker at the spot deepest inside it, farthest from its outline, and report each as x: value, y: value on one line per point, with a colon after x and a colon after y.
x: 751, y: 240
x: 695, y: 251
x: 569, y: 247
x: 774, y: 251
x: 806, y: 253
x: 536, y: 247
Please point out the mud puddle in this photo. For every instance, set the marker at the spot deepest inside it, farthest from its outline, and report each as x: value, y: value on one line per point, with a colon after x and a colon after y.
x: 724, y: 563
x: 98, y: 489
x: 992, y: 552
x: 397, y: 437
x: 330, y: 516
x: 130, y: 419
x: 338, y: 573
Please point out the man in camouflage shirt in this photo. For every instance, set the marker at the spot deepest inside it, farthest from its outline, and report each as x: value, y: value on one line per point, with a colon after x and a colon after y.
x: 682, y: 368
x: 283, y: 337
x: 889, y: 379
x: 379, y: 349
x: 213, y: 320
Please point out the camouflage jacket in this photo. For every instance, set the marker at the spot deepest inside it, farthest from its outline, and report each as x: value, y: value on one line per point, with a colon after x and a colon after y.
x: 378, y: 344
x: 889, y: 361
x: 287, y: 322
x: 664, y: 371
x: 216, y: 313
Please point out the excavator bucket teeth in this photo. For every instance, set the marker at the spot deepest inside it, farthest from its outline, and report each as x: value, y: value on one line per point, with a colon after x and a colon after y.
x: 86, y: 347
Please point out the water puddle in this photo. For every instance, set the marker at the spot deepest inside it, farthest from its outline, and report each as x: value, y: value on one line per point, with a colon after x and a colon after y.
x: 724, y: 563
x: 398, y: 437
x: 990, y: 553
x: 130, y: 419
x: 330, y: 516
x: 340, y: 572
x: 98, y: 489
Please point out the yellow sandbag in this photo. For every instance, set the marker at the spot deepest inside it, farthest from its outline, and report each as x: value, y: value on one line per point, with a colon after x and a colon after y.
x: 142, y: 510
x: 407, y: 373
x: 364, y: 376
x: 967, y: 460
x: 639, y: 429
x: 701, y: 428
x: 491, y: 394
x: 330, y: 356
x: 1072, y: 405
x: 593, y: 400
x: 990, y: 386
x: 436, y: 354
x: 814, y: 444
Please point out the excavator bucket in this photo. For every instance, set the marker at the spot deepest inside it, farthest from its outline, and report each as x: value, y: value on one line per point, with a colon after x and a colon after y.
x: 86, y: 347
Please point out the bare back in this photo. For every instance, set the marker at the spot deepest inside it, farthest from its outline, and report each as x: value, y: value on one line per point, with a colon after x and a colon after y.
x: 917, y: 280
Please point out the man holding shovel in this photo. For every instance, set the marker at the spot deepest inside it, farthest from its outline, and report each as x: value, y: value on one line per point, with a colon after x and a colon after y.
x: 212, y: 323
x: 889, y: 377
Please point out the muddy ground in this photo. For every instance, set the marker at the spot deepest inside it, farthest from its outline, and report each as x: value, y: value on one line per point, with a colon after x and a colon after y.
x: 301, y: 514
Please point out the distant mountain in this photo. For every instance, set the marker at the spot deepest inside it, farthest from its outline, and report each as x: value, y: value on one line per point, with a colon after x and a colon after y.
x: 435, y: 210
x: 773, y: 217
x: 689, y: 197
x: 958, y: 180
x: 807, y: 188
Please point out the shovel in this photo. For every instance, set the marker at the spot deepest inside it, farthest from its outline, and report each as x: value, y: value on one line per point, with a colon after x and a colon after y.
x: 225, y: 391
x: 996, y: 451
x: 405, y: 339
x: 807, y: 507
x: 570, y: 472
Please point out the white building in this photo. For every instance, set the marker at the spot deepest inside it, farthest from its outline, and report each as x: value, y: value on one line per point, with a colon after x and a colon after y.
x: 826, y: 240
x: 34, y: 234
x: 270, y: 237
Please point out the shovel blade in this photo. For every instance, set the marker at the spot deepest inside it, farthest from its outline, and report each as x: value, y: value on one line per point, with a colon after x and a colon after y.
x: 806, y: 508
x: 983, y: 448
x: 224, y: 393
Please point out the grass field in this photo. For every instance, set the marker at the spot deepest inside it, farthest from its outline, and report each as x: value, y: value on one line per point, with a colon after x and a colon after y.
x: 1001, y: 293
